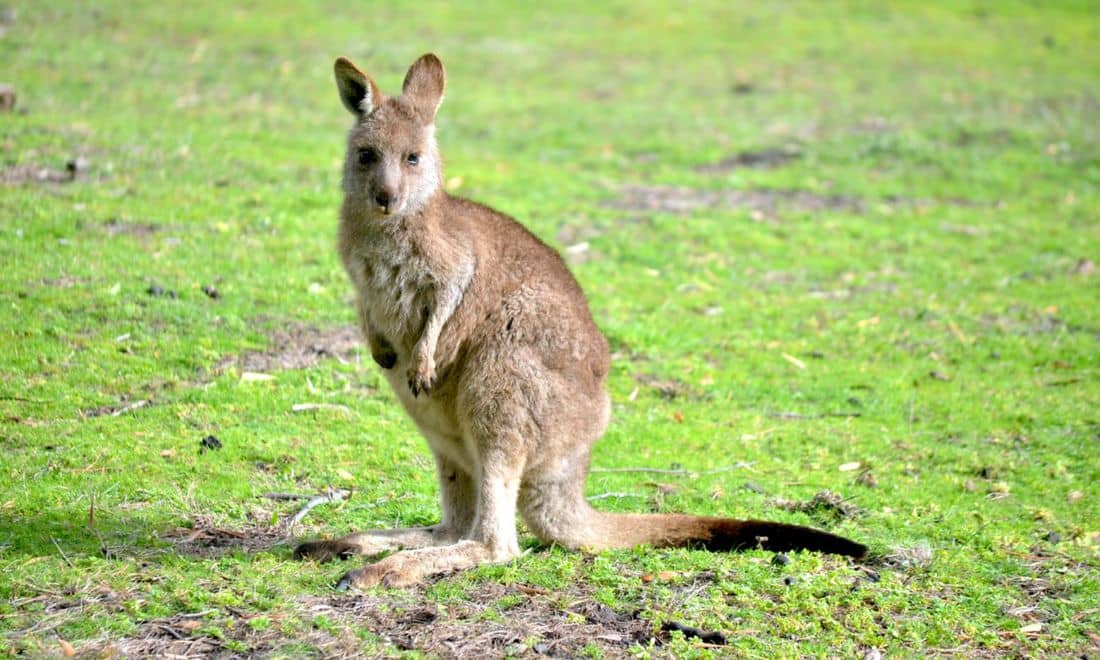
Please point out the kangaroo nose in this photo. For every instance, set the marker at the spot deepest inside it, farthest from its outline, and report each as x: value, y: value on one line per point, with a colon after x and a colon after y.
x: 383, y: 200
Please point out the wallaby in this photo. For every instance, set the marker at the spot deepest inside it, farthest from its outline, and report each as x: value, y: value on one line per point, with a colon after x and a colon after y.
x: 488, y: 342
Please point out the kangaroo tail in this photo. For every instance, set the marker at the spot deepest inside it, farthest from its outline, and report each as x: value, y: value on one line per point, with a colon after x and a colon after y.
x: 617, y: 530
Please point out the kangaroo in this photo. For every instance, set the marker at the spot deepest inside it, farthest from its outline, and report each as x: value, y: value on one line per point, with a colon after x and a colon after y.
x: 487, y: 340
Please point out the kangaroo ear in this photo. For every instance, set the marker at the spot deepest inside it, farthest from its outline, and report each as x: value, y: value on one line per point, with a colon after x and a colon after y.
x: 358, y: 92
x: 424, y: 85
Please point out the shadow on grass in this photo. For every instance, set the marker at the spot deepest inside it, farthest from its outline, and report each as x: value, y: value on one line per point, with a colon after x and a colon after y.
x: 69, y: 535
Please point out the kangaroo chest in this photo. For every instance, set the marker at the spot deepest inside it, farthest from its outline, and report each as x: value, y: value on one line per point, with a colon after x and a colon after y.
x: 393, y: 285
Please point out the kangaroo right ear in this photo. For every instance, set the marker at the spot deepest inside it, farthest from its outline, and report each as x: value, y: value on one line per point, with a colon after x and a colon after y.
x: 358, y: 92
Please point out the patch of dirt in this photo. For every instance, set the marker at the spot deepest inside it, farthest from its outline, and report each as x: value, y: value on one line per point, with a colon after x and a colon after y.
x: 763, y: 203
x: 824, y: 505
x: 205, y: 539
x: 909, y: 557
x: 64, y: 281
x: 531, y: 621
x: 123, y: 406
x: 874, y: 126
x: 1020, y: 321
x: 669, y: 389
x: 298, y: 347
x: 765, y: 159
x: 220, y: 635
x: 17, y: 175
x: 121, y: 227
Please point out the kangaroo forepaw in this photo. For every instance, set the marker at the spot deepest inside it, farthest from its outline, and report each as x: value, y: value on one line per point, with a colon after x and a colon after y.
x: 323, y: 551
x: 422, y: 377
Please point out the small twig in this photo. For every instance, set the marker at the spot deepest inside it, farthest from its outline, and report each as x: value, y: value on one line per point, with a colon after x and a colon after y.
x: 195, y: 615
x: 677, y: 471
x: 794, y: 415
x: 604, y: 496
x: 1062, y: 383
x: 729, y: 468
x: 333, y: 495
x: 63, y: 555
x: 170, y: 630
x: 305, y: 407
x: 130, y: 406
x: 283, y: 497
x: 21, y: 399
x: 643, y: 469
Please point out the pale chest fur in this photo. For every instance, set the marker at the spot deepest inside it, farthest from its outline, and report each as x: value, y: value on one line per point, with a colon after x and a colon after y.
x: 393, y: 286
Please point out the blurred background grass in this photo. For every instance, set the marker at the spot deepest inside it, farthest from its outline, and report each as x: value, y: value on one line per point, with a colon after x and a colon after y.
x: 920, y: 297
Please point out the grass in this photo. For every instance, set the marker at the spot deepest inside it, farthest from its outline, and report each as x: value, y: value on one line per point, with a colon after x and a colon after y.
x: 917, y: 294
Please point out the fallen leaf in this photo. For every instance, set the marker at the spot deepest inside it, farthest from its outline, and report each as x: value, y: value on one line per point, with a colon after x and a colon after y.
x: 168, y: 453
x: 662, y: 576
x: 190, y: 624
x: 1074, y: 496
x: 67, y: 649
x: 867, y: 479
x: 664, y: 489
x: 793, y: 360
x: 677, y: 415
x: 848, y: 467
x: 1031, y: 628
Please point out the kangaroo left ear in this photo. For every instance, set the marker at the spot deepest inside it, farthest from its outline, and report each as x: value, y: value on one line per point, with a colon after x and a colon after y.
x: 358, y: 92
x: 424, y: 85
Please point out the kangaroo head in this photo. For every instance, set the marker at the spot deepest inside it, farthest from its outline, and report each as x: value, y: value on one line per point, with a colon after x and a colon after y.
x: 392, y: 166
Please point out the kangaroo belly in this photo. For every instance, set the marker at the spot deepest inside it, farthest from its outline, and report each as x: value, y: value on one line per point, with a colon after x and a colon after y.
x: 434, y: 416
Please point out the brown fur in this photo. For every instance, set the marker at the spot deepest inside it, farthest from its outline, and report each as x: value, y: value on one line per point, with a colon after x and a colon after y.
x: 487, y: 340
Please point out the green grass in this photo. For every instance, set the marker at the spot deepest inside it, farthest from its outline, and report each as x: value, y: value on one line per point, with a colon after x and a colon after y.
x: 948, y: 295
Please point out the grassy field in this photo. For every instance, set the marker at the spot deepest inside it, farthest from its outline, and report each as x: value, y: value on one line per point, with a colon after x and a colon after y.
x: 847, y: 247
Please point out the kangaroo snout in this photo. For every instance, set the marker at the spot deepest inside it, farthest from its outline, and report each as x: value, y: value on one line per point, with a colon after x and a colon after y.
x: 384, y: 200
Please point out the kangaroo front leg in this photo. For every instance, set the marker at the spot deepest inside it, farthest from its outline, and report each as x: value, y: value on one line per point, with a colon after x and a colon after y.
x: 458, y: 498
x: 492, y: 539
x: 443, y: 301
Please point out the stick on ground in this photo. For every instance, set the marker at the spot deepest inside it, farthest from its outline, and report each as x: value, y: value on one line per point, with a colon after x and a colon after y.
x: 333, y: 495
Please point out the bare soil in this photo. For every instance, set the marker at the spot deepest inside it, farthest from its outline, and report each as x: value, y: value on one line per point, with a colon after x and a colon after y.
x: 298, y: 346
x: 493, y: 621
x: 17, y: 175
x: 765, y: 159
x: 766, y: 202
x: 206, y: 539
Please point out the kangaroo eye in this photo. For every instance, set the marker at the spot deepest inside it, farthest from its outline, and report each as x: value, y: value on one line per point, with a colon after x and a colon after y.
x: 367, y: 156
x: 413, y: 159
